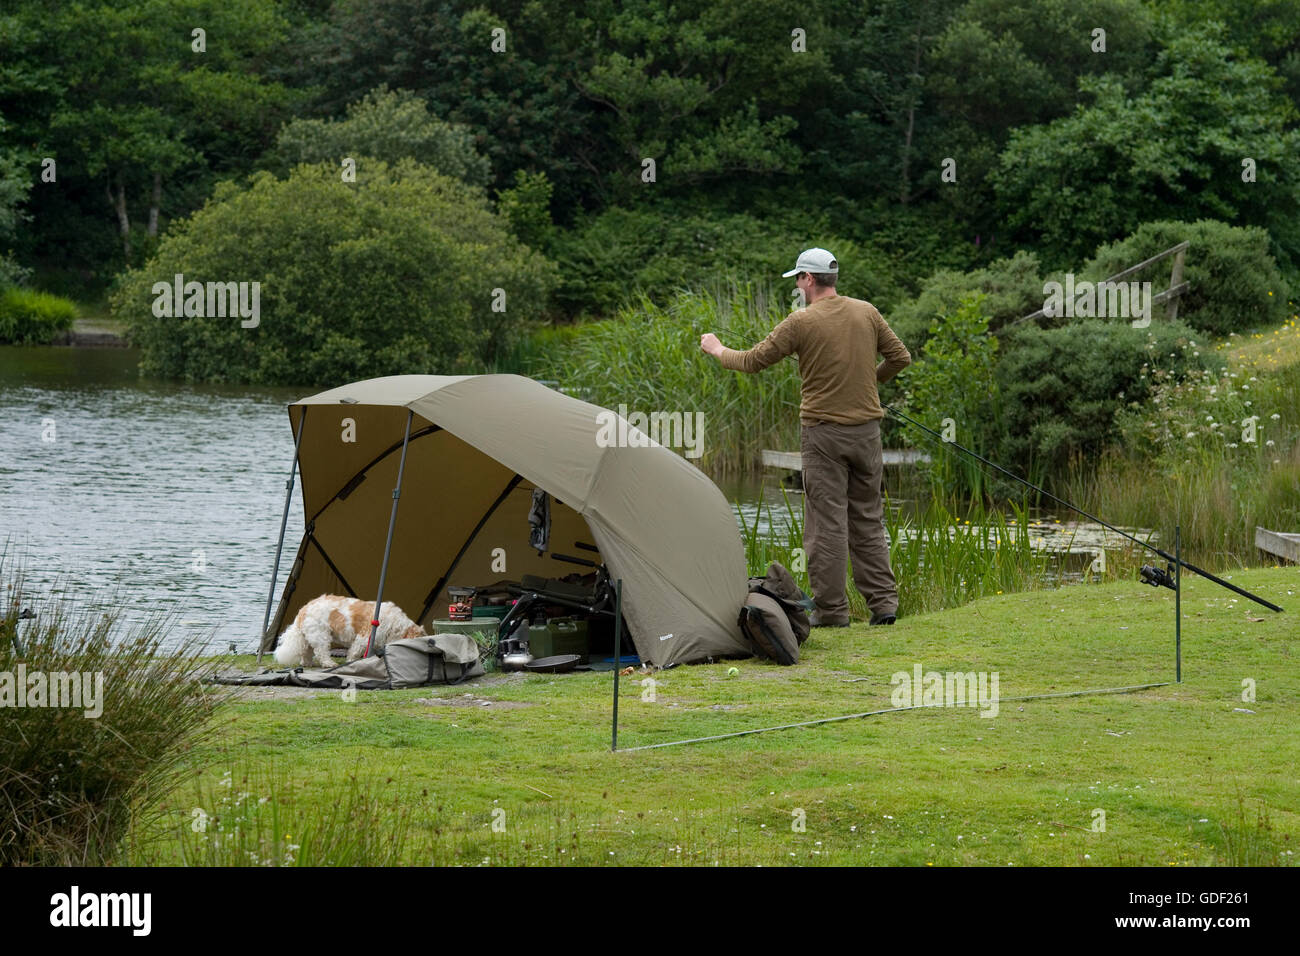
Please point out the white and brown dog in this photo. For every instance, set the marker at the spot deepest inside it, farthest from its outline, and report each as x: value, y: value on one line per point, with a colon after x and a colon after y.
x: 331, y: 621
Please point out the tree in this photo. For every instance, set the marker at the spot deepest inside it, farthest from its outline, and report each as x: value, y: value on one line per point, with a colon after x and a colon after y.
x: 517, y: 98
x: 1270, y: 29
x: 405, y: 270
x: 14, y: 185
x: 139, y: 96
x: 892, y: 72
x: 23, y: 80
x: 1173, y: 151
x: 703, y: 88
x: 584, y: 92
x: 1002, y: 64
x: 385, y: 124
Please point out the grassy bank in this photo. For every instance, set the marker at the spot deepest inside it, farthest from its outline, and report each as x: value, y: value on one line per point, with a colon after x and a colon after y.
x: 1185, y: 777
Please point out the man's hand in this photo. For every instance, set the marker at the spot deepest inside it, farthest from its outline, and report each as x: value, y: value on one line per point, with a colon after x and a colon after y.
x: 709, y: 344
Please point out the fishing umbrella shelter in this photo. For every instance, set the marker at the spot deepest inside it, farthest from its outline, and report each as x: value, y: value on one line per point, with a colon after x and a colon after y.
x: 414, y: 483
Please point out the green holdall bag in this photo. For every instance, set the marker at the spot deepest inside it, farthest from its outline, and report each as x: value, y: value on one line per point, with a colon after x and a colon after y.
x: 774, y: 618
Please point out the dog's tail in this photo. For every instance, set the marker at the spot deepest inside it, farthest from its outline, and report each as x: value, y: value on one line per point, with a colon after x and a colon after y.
x: 289, y: 652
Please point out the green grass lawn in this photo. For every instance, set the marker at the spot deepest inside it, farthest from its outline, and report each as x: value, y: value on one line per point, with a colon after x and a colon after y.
x: 433, y: 776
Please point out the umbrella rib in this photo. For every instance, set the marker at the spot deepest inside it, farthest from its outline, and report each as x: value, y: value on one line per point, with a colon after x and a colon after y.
x: 396, y: 446
x: 442, y: 582
x: 339, y: 574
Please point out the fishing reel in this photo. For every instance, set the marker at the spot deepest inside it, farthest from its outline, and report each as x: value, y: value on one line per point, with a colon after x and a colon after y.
x: 1159, y: 577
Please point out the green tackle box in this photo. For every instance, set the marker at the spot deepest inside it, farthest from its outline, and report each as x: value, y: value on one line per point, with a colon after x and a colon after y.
x: 560, y: 635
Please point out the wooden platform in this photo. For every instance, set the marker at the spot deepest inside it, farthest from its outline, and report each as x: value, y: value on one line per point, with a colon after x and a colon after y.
x: 1280, y: 544
x: 793, y: 461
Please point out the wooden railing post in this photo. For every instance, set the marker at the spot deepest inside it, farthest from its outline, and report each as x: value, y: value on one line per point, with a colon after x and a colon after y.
x: 1175, y: 280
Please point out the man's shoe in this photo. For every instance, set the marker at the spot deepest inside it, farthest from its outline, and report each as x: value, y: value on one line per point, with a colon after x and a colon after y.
x: 815, y: 620
x: 883, y: 618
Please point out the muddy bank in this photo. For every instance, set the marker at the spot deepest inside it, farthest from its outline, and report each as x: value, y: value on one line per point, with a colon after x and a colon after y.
x: 94, y: 333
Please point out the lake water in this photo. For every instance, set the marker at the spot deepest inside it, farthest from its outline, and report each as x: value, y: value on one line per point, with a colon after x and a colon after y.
x: 155, y: 496
x: 167, y: 495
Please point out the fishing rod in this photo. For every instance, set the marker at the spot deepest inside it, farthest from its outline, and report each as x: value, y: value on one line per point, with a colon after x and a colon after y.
x: 1154, y: 576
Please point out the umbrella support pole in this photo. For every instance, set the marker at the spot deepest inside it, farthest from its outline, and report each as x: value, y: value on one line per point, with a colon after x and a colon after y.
x: 388, y: 544
x: 618, y: 656
x: 284, y: 521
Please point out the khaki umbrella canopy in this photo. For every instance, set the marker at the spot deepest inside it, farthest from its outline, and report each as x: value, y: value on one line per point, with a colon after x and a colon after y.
x: 479, y: 445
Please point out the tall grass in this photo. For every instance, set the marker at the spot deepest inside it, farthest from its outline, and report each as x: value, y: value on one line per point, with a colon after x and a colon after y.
x: 70, y: 782
x: 656, y: 350
x: 942, y: 560
x: 538, y: 352
x: 1216, y: 507
x: 1247, y: 841
x: 28, y: 317
x: 1188, y: 463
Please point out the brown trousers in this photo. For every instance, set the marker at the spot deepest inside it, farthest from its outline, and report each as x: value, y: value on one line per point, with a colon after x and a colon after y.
x: 844, y: 516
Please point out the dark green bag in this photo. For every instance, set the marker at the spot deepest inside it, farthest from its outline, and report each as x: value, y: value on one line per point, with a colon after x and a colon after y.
x: 774, y: 617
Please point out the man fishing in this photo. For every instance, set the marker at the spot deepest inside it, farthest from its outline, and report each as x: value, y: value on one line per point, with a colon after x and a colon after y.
x: 837, y: 340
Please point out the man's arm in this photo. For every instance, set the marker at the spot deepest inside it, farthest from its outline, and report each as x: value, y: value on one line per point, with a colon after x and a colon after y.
x: 780, y: 342
x: 897, y: 357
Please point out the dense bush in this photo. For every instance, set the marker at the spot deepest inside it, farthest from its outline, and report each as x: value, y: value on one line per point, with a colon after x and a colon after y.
x: 33, y: 318
x: 1234, y: 284
x: 954, y: 378
x: 1011, y: 288
x: 1062, y: 387
x: 392, y: 274
x: 622, y: 254
x: 527, y: 207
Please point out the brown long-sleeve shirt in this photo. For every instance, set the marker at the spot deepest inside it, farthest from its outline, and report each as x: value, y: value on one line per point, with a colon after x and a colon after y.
x: 837, y: 340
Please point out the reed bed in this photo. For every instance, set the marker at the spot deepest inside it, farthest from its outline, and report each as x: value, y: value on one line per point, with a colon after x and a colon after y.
x: 942, y: 555
x: 661, y: 369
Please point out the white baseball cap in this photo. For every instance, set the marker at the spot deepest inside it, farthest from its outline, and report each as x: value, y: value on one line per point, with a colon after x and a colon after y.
x: 814, y: 260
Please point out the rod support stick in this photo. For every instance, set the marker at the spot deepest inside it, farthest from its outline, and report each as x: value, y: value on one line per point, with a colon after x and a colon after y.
x: 1178, y: 604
